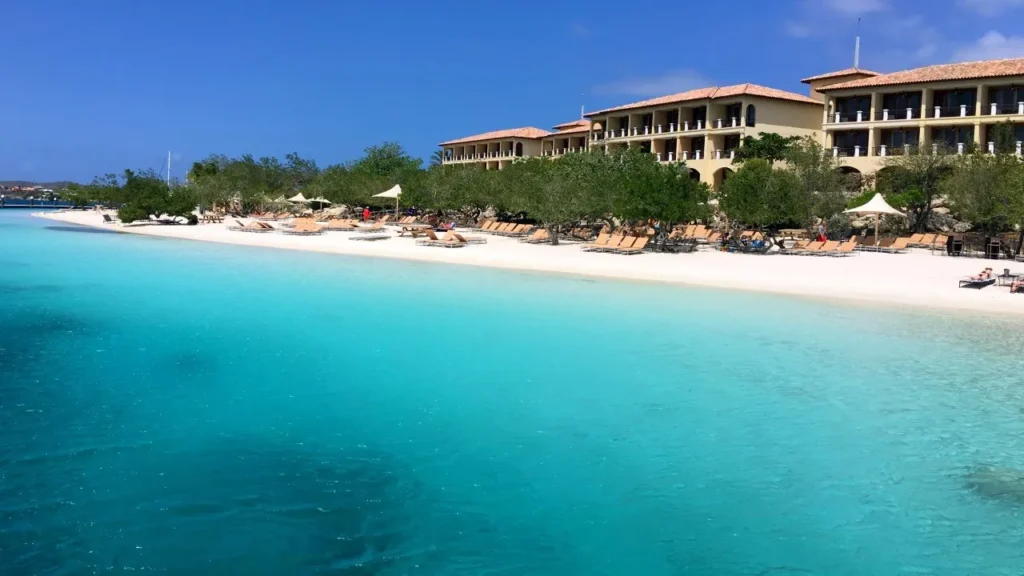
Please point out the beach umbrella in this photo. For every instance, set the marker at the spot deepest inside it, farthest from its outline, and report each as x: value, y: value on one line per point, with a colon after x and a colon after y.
x: 320, y: 200
x: 878, y: 207
x: 298, y: 199
x: 393, y: 192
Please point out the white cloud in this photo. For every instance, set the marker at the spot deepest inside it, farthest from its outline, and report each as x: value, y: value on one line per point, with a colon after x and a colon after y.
x: 668, y: 83
x: 991, y: 46
x: 796, y: 29
x: 990, y: 7
x: 858, y: 7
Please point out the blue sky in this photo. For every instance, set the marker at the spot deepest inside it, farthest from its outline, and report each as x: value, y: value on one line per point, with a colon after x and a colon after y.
x: 96, y: 87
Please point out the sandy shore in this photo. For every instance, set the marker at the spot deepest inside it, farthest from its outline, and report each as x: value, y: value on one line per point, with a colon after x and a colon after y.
x: 917, y: 279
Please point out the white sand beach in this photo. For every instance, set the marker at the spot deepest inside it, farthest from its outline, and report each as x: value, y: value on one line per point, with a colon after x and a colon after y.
x: 915, y: 279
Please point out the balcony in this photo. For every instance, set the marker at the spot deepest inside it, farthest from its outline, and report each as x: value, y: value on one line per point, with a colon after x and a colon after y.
x: 732, y: 122
x: 727, y: 154
x: 696, y: 125
x: 849, y: 151
x: 996, y: 109
x: 961, y: 111
x: 665, y: 129
x: 844, y: 117
x: 904, y: 114
x: 694, y: 155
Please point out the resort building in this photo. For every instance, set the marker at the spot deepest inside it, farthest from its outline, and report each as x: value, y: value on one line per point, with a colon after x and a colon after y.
x: 869, y: 116
x: 863, y: 117
x: 494, y: 150
x: 705, y: 127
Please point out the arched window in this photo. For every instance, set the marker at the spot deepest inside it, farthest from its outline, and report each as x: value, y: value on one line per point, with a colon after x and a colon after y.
x: 751, y: 115
x: 519, y: 148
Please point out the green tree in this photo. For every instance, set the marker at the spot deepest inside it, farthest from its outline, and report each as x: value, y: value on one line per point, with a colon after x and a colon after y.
x: 146, y: 194
x: 436, y: 158
x: 822, y: 183
x: 912, y: 183
x: 988, y: 191
x: 764, y: 197
x: 768, y: 146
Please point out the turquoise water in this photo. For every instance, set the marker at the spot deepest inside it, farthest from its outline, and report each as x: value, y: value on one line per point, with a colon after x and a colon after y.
x: 188, y: 408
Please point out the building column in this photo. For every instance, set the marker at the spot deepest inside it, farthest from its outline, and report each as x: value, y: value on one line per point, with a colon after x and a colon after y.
x: 979, y: 106
x: 875, y: 101
x: 926, y: 105
x: 978, y: 136
x: 871, y: 139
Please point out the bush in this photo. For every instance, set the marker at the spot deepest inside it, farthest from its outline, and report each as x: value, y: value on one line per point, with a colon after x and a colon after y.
x: 130, y: 213
x: 192, y: 219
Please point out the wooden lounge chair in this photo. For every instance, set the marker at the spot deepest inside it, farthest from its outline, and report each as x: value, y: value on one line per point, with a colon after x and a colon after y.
x: 688, y: 232
x: 827, y: 248
x: 896, y: 246
x: 108, y: 220
x: 304, y: 228
x: 255, y: 226
x: 341, y: 226
x: 916, y: 238
x: 940, y: 242
x: 925, y: 241
x: 810, y: 249
x: 846, y: 248
x: 521, y: 230
x: 431, y: 239
x: 601, y: 242
x: 627, y: 242
x: 452, y: 234
x: 638, y: 247
x: 539, y: 235
x: 699, y: 232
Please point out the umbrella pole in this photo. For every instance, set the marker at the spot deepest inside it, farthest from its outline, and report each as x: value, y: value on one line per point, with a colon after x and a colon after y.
x: 877, y: 218
x: 396, y: 206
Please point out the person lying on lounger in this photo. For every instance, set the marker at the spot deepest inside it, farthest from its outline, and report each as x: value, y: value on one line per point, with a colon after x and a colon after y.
x: 985, y: 275
x: 1016, y: 286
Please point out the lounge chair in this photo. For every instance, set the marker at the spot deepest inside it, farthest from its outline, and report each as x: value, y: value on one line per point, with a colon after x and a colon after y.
x: 699, y: 233
x: 431, y: 239
x: 304, y: 228
x: 845, y: 248
x: 809, y: 248
x: 897, y: 246
x: 916, y: 238
x: 713, y: 237
x: 108, y: 220
x: 638, y: 247
x: 341, y: 226
x: 612, y: 242
x: 975, y: 283
x: 924, y: 241
x: 602, y: 240
x: 538, y: 235
x: 255, y: 226
x: 464, y: 238
x: 626, y: 243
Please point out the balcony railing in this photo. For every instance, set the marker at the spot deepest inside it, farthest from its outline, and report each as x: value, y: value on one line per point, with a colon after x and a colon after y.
x: 995, y: 109
x: 849, y: 151
x: 904, y: 114
x: 694, y: 155
x: 665, y: 128
x: 857, y: 116
x: 904, y: 150
x: 732, y: 122
x: 727, y: 154
x: 696, y: 125
x: 961, y: 111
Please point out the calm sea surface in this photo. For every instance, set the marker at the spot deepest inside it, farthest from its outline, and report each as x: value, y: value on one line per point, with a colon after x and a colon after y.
x: 188, y: 408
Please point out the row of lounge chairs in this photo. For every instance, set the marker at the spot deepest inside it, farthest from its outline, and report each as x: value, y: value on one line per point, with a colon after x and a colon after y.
x: 885, y: 245
x: 617, y: 244
x: 695, y: 233
x: 929, y: 241
x: 830, y: 248
x: 505, y: 228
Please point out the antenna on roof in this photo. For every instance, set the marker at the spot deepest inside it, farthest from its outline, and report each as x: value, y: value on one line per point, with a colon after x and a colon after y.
x: 581, y: 111
x: 856, y: 47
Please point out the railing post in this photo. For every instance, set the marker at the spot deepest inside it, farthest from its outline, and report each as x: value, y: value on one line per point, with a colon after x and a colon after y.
x: 686, y: 155
x: 686, y: 126
x: 1019, y: 143
x: 960, y: 148
x: 993, y: 109
x: 647, y: 130
x: 718, y: 152
x: 671, y: 156
x: 881, y: 150
x: 658, y: 129
x: 935, y: 149
x: 696, y: 154
x: 860, y: 115
x: 732, y: 154
x: 991, y: 147
x: 938, y: 112
x: 856, y: 151
x: 700, y: 124
x: 910, y: 113
x: 733, y: 121
x: 906, y: 149
x: 963, y: 110
x: 658, y: 156
x: 838, y: 116
x: 1020, y: 108
x: 885, y: 114
x: 835, y: 151
x: 718, y: 123
x: 671, y: 126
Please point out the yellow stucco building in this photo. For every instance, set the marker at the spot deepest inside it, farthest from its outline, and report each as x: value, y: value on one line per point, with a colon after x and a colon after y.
x: 861, y: 116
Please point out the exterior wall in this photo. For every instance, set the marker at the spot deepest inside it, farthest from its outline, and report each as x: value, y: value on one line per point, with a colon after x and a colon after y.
x: 978, y: 119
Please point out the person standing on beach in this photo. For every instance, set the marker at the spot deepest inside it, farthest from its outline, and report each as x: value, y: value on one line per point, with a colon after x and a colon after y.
x: 821, y: 232
x: 366, y: 214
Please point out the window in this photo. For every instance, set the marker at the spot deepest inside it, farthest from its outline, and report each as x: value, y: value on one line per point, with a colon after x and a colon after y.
x: 751, y: 115
x: 519, y: 148
x: 733, y: 111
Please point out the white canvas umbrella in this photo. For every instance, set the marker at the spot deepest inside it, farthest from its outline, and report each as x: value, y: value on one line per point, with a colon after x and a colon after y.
x: 320, y: 200
x: 393, y: 192
x: 298, y: 199
x: 877, y: 206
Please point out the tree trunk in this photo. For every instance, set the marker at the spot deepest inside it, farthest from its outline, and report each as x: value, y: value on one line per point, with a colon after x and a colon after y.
x: 553, y: 233
x: 1020, y: 242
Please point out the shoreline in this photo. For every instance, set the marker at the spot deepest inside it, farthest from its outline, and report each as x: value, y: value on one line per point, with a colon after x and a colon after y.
x: 918, y: 280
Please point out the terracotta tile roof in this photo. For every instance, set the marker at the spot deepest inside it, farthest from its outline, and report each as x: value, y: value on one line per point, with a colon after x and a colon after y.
x: 712, y: 93
x: 529, y: 133
x: 573, y: 124
x: 940, y: 73
x: 839, y: 74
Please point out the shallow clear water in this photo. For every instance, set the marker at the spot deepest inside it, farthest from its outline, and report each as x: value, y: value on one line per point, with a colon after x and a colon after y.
x: 190, y: 408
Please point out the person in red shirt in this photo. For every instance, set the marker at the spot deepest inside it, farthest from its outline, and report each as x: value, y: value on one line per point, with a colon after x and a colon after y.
x: 366, y: 214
